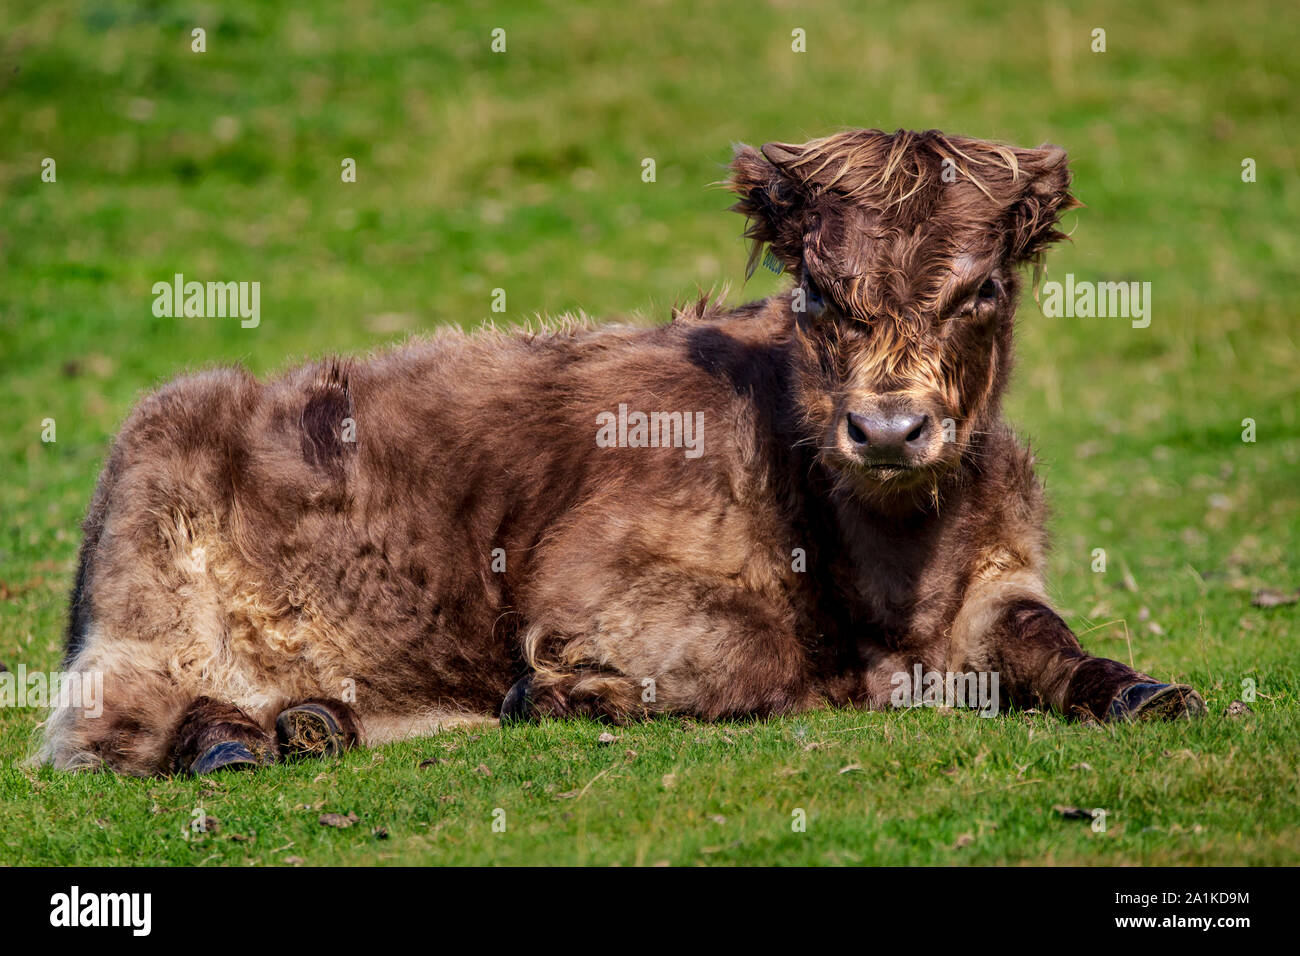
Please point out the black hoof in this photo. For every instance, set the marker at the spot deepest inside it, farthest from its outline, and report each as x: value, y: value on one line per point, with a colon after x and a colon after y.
x: 227, y: 755
x: 309, y: 730
x: 1157, y: 702
x: 518, y: 705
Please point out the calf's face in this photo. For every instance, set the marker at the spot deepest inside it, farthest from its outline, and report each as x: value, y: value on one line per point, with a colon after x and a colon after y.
x: 905, y: 249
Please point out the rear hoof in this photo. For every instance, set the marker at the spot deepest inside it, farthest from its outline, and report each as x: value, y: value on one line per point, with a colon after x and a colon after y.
x: 227, y: 755
x: 518, y: 705
x: 309, y: 730
x: 1157, y: 702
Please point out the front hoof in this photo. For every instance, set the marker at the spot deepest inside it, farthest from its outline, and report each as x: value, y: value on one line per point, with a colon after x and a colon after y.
x: 227, y: 755
x: 1157, y: 702
x: 518, y: 705
x: 309, y: 730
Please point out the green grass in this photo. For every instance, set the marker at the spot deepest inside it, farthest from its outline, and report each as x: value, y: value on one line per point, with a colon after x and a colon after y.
x: 522, y: 171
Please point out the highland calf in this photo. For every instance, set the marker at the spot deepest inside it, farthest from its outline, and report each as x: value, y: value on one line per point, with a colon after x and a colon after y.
x: 478, y: 526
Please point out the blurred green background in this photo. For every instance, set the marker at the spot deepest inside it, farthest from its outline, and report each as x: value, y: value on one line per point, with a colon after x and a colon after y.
x: 522, y: 170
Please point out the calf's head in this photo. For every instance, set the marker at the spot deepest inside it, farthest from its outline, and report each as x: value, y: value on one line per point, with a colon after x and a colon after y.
x: 904, y: 248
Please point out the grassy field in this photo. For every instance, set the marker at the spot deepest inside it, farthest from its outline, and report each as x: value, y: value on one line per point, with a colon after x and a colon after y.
x: 522, y: 171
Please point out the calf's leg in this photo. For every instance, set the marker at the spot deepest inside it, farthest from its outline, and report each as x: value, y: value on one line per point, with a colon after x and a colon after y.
x: 141, y: 720
x: 727, y: 653
x: 583, y: 693
x: 214, y: 735
x: 1007, y: 626
x: 317, y: 727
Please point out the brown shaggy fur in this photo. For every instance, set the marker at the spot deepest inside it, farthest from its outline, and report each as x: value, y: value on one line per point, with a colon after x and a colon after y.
x: 241, y: 548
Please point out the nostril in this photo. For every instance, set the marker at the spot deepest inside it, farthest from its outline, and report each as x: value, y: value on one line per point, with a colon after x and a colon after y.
x: 916, y: 433
x: 856, y: 434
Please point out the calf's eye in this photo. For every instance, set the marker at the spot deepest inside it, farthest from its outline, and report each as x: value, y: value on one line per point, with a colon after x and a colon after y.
x: 988, y: 291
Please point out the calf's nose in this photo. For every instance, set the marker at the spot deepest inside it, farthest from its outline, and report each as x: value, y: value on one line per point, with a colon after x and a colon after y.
x: 888, y: 434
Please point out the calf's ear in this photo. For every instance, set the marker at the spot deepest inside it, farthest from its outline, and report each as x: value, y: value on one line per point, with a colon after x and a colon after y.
x: 1044, y: 175
x: 773, y: 202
